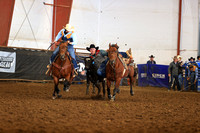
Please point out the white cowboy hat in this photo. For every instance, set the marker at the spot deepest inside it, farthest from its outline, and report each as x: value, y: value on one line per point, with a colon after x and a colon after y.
x: 179, y: 57
x: 68, y: 27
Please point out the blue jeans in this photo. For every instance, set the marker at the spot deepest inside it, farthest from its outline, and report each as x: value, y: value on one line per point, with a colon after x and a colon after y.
x: 180, y: 80
x: 71, y: 52
x: 192, y: 79
x: 174, y: 81
x: 102, y: 69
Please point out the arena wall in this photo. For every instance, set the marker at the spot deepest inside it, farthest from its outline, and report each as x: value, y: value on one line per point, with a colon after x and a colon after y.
x: 146, y: 26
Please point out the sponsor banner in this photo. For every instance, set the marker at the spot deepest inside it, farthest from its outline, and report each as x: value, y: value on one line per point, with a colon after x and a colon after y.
x: 153, y: 75
x: 7, y: 62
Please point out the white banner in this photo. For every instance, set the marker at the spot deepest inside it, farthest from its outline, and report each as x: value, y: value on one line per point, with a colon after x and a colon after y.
x: 7, y: 61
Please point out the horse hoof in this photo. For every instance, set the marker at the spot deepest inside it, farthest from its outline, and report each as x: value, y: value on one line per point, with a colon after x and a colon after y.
x: 54, y: 97
x: 109, y: 97
x: 112, y: 99
x: 132, y: 93
x: 59, y: 96
x: 66, y: 89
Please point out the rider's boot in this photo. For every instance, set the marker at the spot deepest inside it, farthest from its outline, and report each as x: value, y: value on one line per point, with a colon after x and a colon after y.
x: 75, y: 73
x: 48, y: 69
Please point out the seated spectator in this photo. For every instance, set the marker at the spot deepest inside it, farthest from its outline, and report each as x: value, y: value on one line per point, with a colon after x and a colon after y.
x: 173, y: 74
x: 151, y: 61
x: 192, y: 76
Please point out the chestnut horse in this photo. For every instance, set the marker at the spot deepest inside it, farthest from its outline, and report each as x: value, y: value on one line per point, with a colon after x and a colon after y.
x: 115, y: 71
x: 63, y: 68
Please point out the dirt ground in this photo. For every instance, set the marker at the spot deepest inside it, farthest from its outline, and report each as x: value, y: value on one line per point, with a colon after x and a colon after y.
x: 29, y: 107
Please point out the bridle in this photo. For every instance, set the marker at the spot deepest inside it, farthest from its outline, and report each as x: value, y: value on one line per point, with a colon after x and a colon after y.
x: 62, y: 60
x: 113, y: 62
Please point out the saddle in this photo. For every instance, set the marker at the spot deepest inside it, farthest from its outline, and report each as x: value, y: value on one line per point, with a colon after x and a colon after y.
x: 127, y: 61
x: 49, y: 67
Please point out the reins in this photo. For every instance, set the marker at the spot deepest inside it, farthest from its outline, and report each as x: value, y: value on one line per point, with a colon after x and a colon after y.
x: 60, y: 67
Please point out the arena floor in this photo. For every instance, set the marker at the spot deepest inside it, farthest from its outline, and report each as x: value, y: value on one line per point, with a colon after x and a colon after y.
x: 28, y: 107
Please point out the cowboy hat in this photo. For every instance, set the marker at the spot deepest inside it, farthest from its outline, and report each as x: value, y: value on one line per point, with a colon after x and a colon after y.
x: 92, y: 46
x: 179, y: 57
x: 68, y: 27
x: 151, y: 56
x: 191, y: 58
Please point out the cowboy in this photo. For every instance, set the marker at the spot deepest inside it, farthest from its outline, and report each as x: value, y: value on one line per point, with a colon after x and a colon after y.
x: 151, y: 61
x: 181, y: 68
x: 192, y: 76
x: 99, y: 56
x: 198, y: 59
x: 192, y: 62
x: 66, y: 34
x: 173, y: 74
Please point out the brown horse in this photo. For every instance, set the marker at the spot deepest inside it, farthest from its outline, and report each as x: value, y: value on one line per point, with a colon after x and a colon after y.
x: 115, y: 71
x: 62, y: 67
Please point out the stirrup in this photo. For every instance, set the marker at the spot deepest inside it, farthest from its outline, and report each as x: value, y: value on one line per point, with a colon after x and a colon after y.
x: 75, y: 72
x: 48, y: 66
x: 48, y: 69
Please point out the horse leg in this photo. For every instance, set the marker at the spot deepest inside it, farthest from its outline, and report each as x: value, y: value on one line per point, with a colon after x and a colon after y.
x: 66, y: 85
x: 108, y: 88
x: 56, y: 89
x: 93, y: 91
x: 116, y: 90
x: 104, y: 91
x: 131, y: 85
x: 88, y: 85
x: 99, y: 87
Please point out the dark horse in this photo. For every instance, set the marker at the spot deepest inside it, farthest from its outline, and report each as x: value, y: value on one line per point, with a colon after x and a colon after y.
x: 115, y: 71
x: 93, y: 77
x: 62, y: 67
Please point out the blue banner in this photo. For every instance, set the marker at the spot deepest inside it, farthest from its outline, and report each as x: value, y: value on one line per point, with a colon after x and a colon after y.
x: 153, y: 75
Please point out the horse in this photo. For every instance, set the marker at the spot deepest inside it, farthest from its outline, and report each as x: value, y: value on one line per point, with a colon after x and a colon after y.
x: 115, y: 71
x: 92, y: 76
x: 62, y: 68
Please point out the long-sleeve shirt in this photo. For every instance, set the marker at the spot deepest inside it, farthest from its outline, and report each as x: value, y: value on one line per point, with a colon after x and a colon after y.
x: 70, y: 36
x: 101, y: 52
x: 151, y: 62
x: 173, y: 69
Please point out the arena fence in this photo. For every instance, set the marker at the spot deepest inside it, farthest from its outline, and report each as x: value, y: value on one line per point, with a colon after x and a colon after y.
x: 27, y: 64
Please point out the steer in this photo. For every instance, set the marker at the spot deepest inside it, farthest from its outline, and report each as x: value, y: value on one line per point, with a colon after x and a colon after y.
x: 92, y: 76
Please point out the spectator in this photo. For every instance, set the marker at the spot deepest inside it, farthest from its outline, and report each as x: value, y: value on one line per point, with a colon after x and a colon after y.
x: 151, y: 61
x: 192, y: 76
x: 173, y: 74
x: 192, y: 61
x: 180, y: 70
x: 198, y: 59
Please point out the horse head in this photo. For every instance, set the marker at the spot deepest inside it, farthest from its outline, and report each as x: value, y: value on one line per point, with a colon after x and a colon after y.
x: 63, y: 49
x: 113, y: 53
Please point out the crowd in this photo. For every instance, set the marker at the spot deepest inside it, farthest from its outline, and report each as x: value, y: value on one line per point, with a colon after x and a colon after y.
x: 179, y: 72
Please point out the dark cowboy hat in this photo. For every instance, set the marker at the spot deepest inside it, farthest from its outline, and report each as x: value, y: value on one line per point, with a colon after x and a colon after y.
x: 151, y: 56
x: 191, y: 58
x: 92, y: 46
